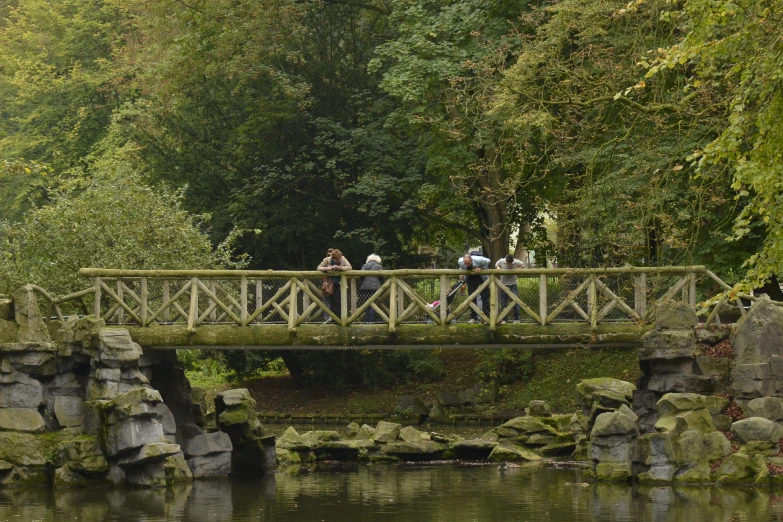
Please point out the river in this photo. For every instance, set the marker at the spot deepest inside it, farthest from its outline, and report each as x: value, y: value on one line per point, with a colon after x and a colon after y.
x: 445, y: 492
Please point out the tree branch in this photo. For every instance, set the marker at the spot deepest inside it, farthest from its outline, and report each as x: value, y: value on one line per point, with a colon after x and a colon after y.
x: 451, y: 224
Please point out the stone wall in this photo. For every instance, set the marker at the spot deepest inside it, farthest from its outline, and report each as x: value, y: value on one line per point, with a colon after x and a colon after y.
x: 81, y: 403
x: 709, y: 405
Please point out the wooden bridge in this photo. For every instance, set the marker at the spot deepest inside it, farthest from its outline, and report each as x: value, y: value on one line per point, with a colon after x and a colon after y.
x: 267, y: 309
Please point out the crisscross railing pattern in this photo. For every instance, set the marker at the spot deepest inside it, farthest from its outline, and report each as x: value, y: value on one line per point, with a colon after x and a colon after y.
x: 440, y: 297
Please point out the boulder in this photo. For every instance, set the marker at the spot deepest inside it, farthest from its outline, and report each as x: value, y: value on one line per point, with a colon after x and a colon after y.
x: 757, y: 429
x: 166, y: 418
x: 410, y: 434
x: 199, y: 398
x: 587, y: 389
x: 207, y: 444
x: 343, y: 449
x: 673, y: 403
x: 7, y: 331
x: 421, y: 450
x: 668, y: 344
x: 681, y: 383
x: 628, y: 412
x: 512, y: 454
x: 116, y: 349
x: 475, y: 449
x: 311, y: 439
x: 716, y: 446
x: 32, y: 328
x: 613, y: 423
x: 176, y: 469
x: 365, y: 433
x: 770, y: 408
x: 69, y: 411
x: 448, y: 399
x: 759, y: 335
x: 352, y: 429
x: 410, y: 404
x: 154, y: 452
x: 234, y: 408
x: 538, y: 409
x: 212, y: 465
x: 523, y: 425
x: 26, y: 449
x: 21, y: 419
x: 711, y: 336
x: 742, y: 469
x: 675, y: 315
x: 132, y: 433
x: 291, y: 440
x: 17, y: 390
x: 693, y: 420
x: 386, y: 432
x: 752, y: 380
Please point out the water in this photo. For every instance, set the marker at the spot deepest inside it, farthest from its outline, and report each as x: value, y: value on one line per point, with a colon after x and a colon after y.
x: 437, y: 493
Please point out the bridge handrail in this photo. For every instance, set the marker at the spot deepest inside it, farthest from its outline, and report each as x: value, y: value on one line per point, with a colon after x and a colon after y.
x: 413, y: 272
x: 242, y: 297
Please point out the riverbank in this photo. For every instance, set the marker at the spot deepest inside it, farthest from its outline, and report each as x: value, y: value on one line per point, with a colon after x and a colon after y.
x: 552, y: 377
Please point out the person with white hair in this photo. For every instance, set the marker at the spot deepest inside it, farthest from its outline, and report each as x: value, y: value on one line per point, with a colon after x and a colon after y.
x: 370, y: 285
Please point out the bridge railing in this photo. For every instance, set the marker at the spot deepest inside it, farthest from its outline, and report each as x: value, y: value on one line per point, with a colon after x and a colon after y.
x: 245, y: 297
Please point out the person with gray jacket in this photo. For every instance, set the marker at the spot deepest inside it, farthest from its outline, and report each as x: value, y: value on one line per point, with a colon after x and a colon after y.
x: 476, y: 263
x: 370, y: 285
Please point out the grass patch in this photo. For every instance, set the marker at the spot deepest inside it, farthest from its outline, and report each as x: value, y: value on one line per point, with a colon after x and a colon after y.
x: 553, y: 378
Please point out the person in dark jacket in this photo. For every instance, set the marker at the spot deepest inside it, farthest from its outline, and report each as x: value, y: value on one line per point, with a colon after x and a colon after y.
x: 370, y: 285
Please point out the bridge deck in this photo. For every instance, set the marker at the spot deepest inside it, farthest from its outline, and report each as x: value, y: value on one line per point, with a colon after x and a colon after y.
x: 378, y: 337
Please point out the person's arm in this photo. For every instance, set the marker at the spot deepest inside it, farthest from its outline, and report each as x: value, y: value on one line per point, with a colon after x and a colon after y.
x: 497, y: 264
x: 344, y: 264
x: 481, y: 262
x: 461, y: 264
x: 519, y: 264
x: 324, y: 266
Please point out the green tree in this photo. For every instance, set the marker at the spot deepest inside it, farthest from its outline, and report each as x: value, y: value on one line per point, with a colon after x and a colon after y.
x: 736, y: 46
x: 117, y: 223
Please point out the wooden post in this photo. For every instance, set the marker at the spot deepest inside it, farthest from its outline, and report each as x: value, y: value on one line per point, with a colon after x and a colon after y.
x: 292, y: 306
x: 97, y: 304
x: 306, y: 304
x: 259, y: 295
x: 144, y: 301
x: 393, y: 305
x: 193, y: 310
x: 166, y: 292
x: 243, y: 300
x: 592, y: 302
x: 444, y: 299
x: 354, y: 296
x: 692, y: 289
x: 120, y: 311
x: 642, y: 295
x: 493, y: 301
x: 542, y: 306
x: 343, y: 300
x: 213, y: 313
x: 400, y: 302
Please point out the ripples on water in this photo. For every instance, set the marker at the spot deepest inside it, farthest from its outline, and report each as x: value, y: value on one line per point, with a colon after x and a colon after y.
x: 447, y: 493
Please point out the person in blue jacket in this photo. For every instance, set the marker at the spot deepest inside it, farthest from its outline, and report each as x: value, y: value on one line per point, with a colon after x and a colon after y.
x: 476, y: 263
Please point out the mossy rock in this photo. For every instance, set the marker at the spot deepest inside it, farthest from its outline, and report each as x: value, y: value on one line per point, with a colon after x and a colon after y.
x: 587, y: 388
x: 613, y: 472
x: 697, y: 474
x: 512, y: 454
x: 673, y: 403
x: 526, y: 425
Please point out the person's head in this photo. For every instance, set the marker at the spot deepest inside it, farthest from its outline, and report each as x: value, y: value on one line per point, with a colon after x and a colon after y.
x: 336, y: 254
x: 509, y: 259
x: 468, y: 261
x: 329, y: 251
x: 374, y: 257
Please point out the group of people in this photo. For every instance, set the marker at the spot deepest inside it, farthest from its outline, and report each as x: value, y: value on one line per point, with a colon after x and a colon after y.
x: 474, y: 262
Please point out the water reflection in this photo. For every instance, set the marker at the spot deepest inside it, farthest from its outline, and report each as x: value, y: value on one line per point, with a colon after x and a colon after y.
x: 383, y: 492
